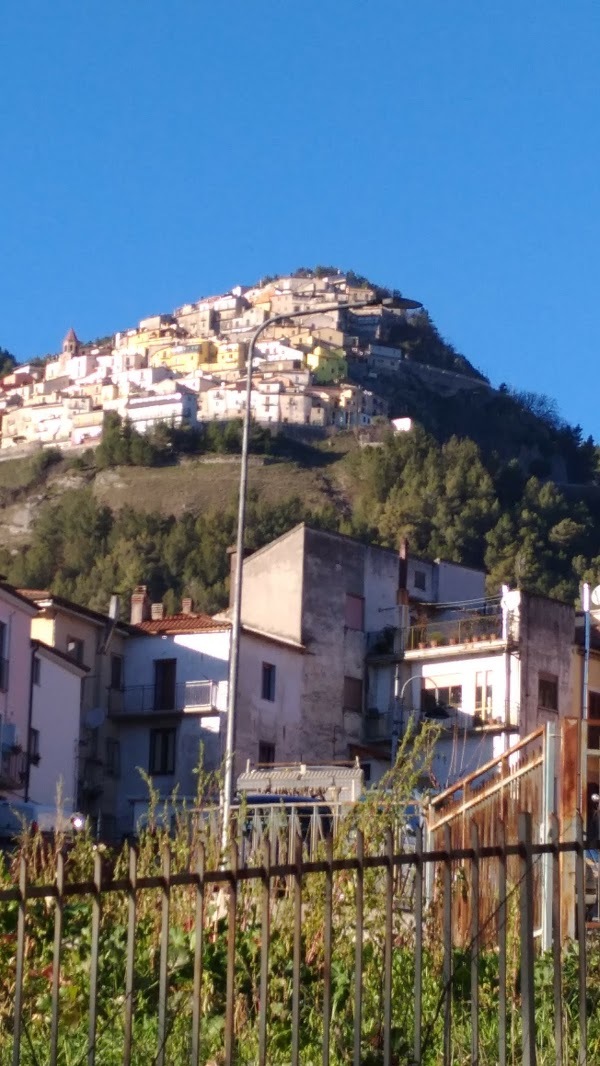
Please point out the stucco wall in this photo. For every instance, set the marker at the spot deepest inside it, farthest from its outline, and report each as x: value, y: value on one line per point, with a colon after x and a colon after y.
x: 272, y: 587
x: 200, y: 657
x: 55, y: 713
x: 14, y: 703
x: 547, y: 633
x: 276, y: 722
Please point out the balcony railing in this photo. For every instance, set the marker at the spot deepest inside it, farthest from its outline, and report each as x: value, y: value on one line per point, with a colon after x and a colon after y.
x: 190, y: 696
x: 379, y: 727
x: 3, y: 674
x: 13, y: 765
x: 468, y: 629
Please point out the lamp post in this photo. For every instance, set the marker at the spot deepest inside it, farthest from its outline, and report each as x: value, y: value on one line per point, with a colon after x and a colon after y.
x: 399, y: 705
x: 234, y: 651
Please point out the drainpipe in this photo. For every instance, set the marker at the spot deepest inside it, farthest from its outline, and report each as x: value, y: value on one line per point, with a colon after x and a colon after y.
x: 34, y: 648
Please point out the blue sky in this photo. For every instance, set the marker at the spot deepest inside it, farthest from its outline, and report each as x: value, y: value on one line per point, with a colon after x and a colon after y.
x: 153, y: 151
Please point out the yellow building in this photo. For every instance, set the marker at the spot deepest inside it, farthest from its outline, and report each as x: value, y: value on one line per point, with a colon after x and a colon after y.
x: 225, y: 357
x: 327, y: 364
x: 185, y: 358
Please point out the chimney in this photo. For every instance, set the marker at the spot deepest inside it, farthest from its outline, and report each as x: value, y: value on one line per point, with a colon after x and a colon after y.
x: 157, y: 612
x: 186, y: 605
x: 403, y: 572
x: 140, y: 605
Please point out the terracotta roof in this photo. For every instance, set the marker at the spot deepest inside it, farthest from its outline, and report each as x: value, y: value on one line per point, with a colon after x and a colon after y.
x: 183, y: 623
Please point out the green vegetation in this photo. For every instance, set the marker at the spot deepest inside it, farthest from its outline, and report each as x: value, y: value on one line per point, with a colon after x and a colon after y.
x: 82, y: 550
x: 193, y: 837
x: 448, y: 498
x: 7, y: 362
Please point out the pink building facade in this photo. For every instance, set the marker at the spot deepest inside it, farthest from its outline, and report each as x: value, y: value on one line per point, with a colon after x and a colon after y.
x: 15, y: 686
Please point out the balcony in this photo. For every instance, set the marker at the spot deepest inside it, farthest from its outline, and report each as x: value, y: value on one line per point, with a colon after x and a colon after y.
x: 187, y: 697
x: 378, y: 727
x: 13, y: 763
x: 474, y: 629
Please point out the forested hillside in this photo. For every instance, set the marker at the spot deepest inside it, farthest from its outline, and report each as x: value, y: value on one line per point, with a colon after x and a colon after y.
x: 490, y: 477
x: 446, y: 497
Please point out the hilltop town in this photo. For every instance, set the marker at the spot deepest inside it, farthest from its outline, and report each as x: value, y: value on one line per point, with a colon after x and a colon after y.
x: 189, y: 366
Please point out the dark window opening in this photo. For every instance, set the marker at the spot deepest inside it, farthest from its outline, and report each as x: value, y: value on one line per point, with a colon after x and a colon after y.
x: 113, y: 757
x: 164, y: 684
x: 548, y: 692
x: 268, y: 682
x: 75, y: 650
x: 36, y: 670
x: 116, y: 672
x: 353, y: 694
x: 266, y: 752
x: 162, y: 751
x: 420, y: 580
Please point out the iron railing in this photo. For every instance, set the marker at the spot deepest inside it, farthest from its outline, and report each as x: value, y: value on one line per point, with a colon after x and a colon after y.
x: 149, y: 699
x: 468, y: 629
x: 295, y: 961
x: 13, y: 768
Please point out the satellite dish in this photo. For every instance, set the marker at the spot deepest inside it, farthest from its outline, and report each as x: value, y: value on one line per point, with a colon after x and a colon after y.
x: 94, y: 718
x: 595, y: 597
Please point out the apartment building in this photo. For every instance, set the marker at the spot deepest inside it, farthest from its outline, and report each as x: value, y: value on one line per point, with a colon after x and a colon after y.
x: 320, y: 595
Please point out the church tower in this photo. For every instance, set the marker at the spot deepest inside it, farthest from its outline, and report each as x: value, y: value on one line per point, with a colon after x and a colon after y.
x: 70, y: 344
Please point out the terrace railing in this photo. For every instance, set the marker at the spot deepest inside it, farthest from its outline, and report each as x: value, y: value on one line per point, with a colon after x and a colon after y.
x: 198, y: 696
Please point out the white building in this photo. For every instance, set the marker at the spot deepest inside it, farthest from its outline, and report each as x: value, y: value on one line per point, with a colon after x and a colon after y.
x: 55, y: 720
x: 169, y: 712
x: 145, y: 412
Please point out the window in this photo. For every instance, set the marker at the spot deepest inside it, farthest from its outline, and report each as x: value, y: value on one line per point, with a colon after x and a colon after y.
x: 548, y: 692
x: 420, y: 580
x: 162, y: 751
x: 165, y: 671
x: 36, y: 670
x: 366, y: 769
x: 449, y: 696
x: 75, y: 649
x: 353, y: 688
x: 594, y: 704
x: 268, y: 682
x: 355, y: 613
x: 483, y: 693
x: 116, y: 672
x: 266, y: 752
x: 34, y: 745
x: 112, y: 762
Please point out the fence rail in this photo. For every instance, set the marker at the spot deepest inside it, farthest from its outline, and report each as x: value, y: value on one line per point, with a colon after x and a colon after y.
x: 297, y: 961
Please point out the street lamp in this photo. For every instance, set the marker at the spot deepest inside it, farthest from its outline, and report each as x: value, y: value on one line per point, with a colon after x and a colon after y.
x: 234, y: 652
x: 399, y: 705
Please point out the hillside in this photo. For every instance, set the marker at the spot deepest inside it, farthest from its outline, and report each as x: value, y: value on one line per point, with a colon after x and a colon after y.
x: 490, y: 477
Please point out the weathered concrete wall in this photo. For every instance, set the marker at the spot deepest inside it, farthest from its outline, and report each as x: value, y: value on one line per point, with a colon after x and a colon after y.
x: 334, y: 568
x: 278, y: 721
x: 547, y: 631
x: 272, y: 586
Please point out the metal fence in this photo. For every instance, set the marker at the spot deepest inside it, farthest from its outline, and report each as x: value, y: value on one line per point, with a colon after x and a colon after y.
x: 348, y: 958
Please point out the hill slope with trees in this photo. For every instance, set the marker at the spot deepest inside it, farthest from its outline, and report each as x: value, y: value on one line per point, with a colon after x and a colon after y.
x: 492, y: 478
